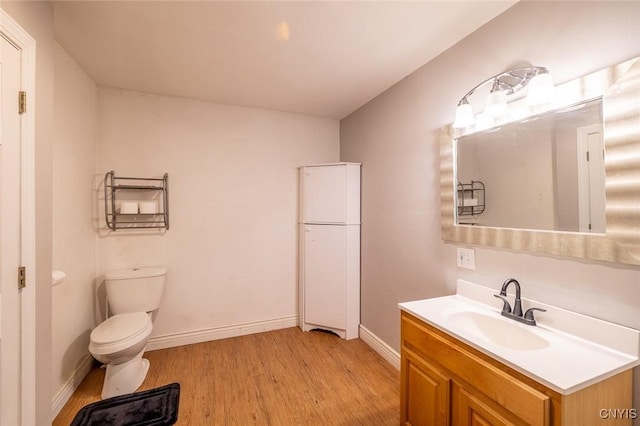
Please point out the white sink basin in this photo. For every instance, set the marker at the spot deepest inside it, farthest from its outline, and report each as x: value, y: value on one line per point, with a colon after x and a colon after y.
x: 566, y: 351
x: 498, y: 330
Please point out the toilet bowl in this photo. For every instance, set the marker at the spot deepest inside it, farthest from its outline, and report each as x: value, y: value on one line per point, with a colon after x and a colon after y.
x: 120, y: 341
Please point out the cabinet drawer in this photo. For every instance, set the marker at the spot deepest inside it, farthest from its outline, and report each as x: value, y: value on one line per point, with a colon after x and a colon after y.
x: 528, y: 404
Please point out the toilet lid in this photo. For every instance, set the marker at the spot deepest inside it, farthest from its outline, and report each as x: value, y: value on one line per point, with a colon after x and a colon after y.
x: 120, y: 327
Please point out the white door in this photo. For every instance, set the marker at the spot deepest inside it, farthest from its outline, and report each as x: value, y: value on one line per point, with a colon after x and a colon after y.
x: 325, y: 269
x: 591, y: 190
x: 10, y: 227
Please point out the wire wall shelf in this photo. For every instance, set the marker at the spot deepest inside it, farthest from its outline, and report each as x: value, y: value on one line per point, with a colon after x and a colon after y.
x: 136, y: 203
x: 471, y: 198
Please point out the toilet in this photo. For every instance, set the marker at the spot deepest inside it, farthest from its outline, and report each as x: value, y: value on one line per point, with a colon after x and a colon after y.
x: 119, y: 342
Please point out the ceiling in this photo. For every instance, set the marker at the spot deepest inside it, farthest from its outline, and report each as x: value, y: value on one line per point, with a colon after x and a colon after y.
x: 321, y: 58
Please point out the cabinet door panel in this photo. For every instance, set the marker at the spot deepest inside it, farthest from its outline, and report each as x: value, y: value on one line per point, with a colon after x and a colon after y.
x: 425, y: 393
x: 325, y: 194
x: 470, y: 410
x: 325, y: 275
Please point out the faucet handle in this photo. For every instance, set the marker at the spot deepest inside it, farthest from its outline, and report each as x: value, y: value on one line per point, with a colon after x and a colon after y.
x: 529, y: 314
x: 506, y: 308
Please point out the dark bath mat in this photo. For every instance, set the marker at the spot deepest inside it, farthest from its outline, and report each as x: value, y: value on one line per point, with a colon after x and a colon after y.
x: 154, y: 407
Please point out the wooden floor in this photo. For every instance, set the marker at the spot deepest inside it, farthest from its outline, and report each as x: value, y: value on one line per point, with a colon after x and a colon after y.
x: 283, y: 377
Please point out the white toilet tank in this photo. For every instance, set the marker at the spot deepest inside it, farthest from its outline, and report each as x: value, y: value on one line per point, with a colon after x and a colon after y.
x: 135, y: 289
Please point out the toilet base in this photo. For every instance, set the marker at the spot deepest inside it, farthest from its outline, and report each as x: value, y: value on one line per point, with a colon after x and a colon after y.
x: 124, y: 378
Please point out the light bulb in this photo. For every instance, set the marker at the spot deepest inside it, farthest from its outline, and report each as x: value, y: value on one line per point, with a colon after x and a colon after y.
x: 540, y: 89
x: 464, y: 116
x: 496, y: 103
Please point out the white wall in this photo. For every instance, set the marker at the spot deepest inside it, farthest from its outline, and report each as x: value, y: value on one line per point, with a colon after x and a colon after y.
x: 74, y: 237
x: 395, y: 136
x: 231, y: 248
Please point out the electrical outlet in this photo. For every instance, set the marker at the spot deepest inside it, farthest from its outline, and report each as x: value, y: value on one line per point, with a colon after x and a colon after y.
x: 466, y: 258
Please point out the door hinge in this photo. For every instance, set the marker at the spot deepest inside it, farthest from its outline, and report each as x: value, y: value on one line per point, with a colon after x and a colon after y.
x: 22, y: 102
x: 22, y: 277
x: 587, y: 155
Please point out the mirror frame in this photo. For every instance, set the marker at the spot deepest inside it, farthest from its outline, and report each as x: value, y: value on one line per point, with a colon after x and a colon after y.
x: 619, y: 87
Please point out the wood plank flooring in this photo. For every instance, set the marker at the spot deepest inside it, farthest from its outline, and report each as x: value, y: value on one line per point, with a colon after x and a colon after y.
x: 283, y: 377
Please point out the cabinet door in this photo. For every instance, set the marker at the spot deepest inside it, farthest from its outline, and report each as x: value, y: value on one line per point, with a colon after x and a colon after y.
x: 472, y: 410
x: 324, y: 194
x: 325, y: 266
x: 424, y: 394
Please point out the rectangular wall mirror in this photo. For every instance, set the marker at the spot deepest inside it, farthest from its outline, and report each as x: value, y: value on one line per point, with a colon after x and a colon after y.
x: 545, y: 172
x: 564, y: 180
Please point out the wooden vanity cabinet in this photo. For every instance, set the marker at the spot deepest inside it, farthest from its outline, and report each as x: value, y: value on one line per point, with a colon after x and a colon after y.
x: 446, y: 382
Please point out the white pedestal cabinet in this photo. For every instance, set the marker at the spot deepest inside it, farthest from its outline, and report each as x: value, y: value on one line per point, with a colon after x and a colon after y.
x: 329, y: 282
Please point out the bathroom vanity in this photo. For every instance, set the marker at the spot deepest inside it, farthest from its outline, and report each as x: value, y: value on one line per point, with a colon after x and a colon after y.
x: 462, y: 363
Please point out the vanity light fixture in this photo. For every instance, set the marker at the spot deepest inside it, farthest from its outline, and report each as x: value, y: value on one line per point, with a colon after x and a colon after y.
x: 496, y: 101
x: 540, y: 89
x: 505, y: 84
x: 464, y: 114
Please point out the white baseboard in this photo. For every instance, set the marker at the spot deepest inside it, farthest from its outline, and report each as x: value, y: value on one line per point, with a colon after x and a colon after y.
x: 65, y: 391
x: 215, y: 333
x: 385, y: 351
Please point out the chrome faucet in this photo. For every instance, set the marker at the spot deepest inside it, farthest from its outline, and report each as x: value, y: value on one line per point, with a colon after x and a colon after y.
x: 516, y: 313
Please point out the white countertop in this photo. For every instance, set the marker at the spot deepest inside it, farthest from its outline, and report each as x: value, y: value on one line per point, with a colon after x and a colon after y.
x: 566, y: 351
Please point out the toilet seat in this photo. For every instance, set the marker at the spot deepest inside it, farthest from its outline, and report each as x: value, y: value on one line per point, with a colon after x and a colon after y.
x: 120, y: 332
